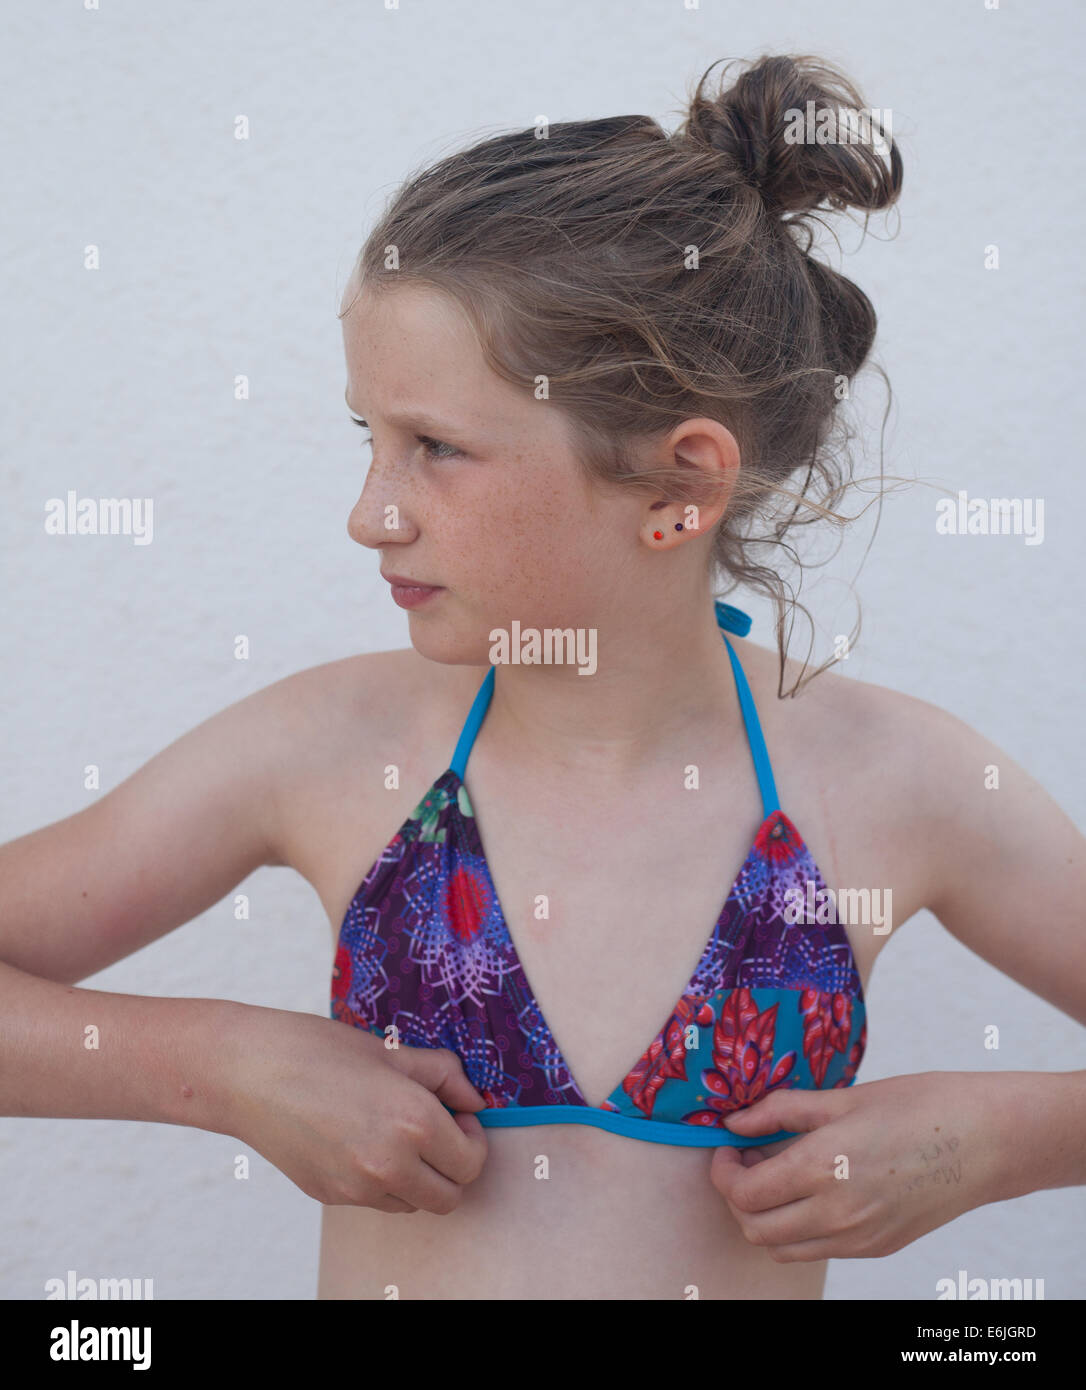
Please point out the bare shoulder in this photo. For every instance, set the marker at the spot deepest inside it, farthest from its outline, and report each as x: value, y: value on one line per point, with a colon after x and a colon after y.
x: 924, y: 750
x: 837, y: 710
x: 375, y: 696
x: 364, y: 690
x: 339, y: 728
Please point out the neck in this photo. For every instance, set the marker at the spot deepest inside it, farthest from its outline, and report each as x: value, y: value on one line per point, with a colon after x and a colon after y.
x: 661, y: 690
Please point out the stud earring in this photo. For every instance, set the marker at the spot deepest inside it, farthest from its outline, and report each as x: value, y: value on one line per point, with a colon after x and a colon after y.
x: 678, y: 526
x: 658, y: 535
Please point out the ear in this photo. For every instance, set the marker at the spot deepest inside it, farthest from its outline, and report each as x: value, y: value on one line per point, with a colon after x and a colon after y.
x: 698, y: 443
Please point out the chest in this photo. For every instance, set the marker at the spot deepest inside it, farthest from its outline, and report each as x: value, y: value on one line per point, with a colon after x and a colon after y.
x: 610, y: 905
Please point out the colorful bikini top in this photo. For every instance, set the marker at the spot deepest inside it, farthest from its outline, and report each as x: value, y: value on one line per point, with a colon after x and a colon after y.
x: 775, y: 1001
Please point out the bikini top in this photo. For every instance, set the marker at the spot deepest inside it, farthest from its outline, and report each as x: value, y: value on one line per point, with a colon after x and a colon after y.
x: 775, y: 1000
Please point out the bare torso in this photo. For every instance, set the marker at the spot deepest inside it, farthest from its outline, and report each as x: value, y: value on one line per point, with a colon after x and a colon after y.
x: 635, y: 886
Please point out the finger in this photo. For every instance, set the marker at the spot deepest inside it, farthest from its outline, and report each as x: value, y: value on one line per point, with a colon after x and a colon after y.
x: 390, y: 1203
x: 449, y: 1155
x: 727, y: 1164
x: 792, y: 1112
x: 469, y: 1123
x: 429, y: 1190
x: 440, y: 1070
x: 758, y: 1153
x: 807, y: 1251
x: 784, y: 1177
x: 456, y: 1147
x: 386, y: 1202
x: 730, y: 1160
x: 791, y: 1224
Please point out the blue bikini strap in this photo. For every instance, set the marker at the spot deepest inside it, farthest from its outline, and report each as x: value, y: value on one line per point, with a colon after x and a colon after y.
x: 729, y: 619
x: 471, y: 724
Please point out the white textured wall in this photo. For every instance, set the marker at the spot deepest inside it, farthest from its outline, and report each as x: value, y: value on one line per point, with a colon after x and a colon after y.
x: 220, y: 257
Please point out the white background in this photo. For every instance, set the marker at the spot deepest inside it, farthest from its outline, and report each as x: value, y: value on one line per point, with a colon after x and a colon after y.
x: 221, y: 257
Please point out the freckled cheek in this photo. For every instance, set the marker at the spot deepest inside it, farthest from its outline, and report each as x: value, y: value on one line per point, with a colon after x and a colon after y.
x: 522, y: 523
x: 525, y: 535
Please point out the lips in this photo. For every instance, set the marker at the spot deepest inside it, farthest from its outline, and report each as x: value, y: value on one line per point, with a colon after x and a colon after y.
x: 401, y: 581
x: 410, y: 593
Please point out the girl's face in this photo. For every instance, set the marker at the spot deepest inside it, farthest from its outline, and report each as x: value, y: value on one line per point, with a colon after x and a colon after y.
x: 473, y: 486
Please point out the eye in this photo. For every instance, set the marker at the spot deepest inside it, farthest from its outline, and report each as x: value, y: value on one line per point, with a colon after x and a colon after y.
x: 435, y: 448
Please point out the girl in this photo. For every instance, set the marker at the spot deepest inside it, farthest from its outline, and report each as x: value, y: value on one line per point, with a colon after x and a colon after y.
x: 605, y: 1020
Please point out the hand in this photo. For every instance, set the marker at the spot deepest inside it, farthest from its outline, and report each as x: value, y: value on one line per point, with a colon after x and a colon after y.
x: 876, y: 1165
x: 349, y: 1121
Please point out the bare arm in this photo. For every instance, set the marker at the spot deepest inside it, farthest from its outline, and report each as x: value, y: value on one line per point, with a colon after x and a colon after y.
x: 382, y: 1129
x: 1008, y: 879
x: 154, y: 852
x: 86, y: 1053
x: 1008, y: 865
x: 90, y: 889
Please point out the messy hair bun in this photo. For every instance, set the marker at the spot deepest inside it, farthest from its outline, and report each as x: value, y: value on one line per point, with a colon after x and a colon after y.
x: 748, y: 125
x: 653, y: 278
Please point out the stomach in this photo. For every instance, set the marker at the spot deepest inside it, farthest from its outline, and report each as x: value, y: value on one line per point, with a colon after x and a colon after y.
x: 564, y: 1212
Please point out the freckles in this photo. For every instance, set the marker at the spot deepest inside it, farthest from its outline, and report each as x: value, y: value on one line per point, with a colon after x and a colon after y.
x: 523, y: 504
x: 525, y: 520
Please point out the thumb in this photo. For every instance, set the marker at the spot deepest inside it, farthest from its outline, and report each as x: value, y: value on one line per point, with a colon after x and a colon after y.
x: 470, y: 1125
x: 440, y: 1070
x: 790, y: 1112
x: 726, y: 1165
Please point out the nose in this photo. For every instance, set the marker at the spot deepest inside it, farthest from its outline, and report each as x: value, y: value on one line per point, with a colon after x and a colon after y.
x: 379, y: 518
x: 356, y: 523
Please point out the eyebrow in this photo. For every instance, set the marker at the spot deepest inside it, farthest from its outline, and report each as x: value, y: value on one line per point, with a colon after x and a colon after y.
x: 409, y: 417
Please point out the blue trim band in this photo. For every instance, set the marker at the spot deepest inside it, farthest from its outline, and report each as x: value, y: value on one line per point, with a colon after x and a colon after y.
x: 655, y: 1131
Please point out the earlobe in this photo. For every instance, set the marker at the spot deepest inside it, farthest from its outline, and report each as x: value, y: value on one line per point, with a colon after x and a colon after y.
x: 659, y: 535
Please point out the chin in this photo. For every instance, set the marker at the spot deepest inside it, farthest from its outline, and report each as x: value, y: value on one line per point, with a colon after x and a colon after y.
x: 439, y: 642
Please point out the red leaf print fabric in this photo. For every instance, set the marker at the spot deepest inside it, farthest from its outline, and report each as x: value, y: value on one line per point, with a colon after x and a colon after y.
x: 666, y: 1055
x: 855, y: 1055
x: 743, y: 1070
x: 827, y: 1022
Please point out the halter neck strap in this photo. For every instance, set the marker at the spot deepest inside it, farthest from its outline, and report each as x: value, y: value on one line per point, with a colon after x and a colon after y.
x: 729, y: 619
